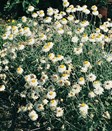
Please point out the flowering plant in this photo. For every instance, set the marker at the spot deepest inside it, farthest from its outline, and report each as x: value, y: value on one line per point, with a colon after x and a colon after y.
x: 57, y: 70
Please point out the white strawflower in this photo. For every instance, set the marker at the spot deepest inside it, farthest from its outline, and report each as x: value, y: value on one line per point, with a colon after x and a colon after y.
x: 33, y: 82
x: 61, y: 68
x: 45, y: 101
x: 59, y: 112
x: 106, y: 115
x: 2, y: 87
x: 50, y: 11
x: 47, y: 20
x: 81, y: 81
x: 31, y: 41
x: 34, y: 15
x: 60, y: 31
x: 96, y: 84
x: 95, y: 12
x: 65, y: 4
x: 41, y: 13
x: 107, y: 85
x: 78, y: 50
x: 98, y: 91
x: 86, y: 64
x: 53, y: 103
x: 83, y: 108
x: 84, y: 69
x: 91, y: 77
x: 51, y: 94
x: 30, y: 8
x: 24, y: 19
x: 75, y: 39
x: 94, y: 8
x: 91, y: 94
x: 33, y: 115
x: 19, y: 70
x: 39, y: 107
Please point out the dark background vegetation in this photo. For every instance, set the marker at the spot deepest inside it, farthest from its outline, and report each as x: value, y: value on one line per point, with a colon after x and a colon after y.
x: 17, y: 8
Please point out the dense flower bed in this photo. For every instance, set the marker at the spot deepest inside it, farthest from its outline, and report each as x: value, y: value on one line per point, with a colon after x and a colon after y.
x: 57, y: 69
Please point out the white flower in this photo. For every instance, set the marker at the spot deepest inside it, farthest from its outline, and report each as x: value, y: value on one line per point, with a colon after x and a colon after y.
x: 86, y: 64
x: 51, y: 56
x: 60, y: 31
x: 81, y: 81
x: 47, y: 47
x: 96, y: 84
x: 33, y: 82
x: 42, y: 36
x: 19, y: 70
x: 59, y: 57
x: 50, y: 11
x: 45, y: 101
x: 24, y: 19
x: 41, y: 13
x: 58, y: 16
x: 65, y: 76
x: 107, y: 85
x: 33, y: 115
x: 5, y: 36
x: 59, y: 112
x: 64, y: 21
x: 86, y: 11
x: 65, y: 4
x: 29, y: 106
x: 34, y: 15
x: 2, y: 87
x: 51, y: 95
x: 83, y: 108
x: 98, y: 90
x: 58, y: 24
x: 21, y: 47
x: 30, y: 8
x: 95, y: 12
x: 94, y: 8
x: 75, y: 39
x: 47, y: 20
x: 78, y: 50
x: 53, y: 103
x: 91, y: 77
x: 31, y: 41
x: 106, y: 115
x: 84, y: 69
x: 55, y: 77
x: 39, y: 107
x: 33, y: 95
x: 60, y: 82
x: 91, y: 94
x: 61, y: 68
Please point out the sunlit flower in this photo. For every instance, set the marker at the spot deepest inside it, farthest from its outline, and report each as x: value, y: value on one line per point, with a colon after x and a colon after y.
x: 50, y: 11
x: 2, y: 87
x: 59, y: 112
x: 78, y: 50
x: 81, y: 81
x: 19, y: 70
x: 61, y: 68
x: 107, y: 85
x: 75, y: 39
x: 39, y: 107
x: 51, y: 95
x: 91, y: 77
x: 83, y: 108
x: 33, y: 115
x: 30, y: 8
